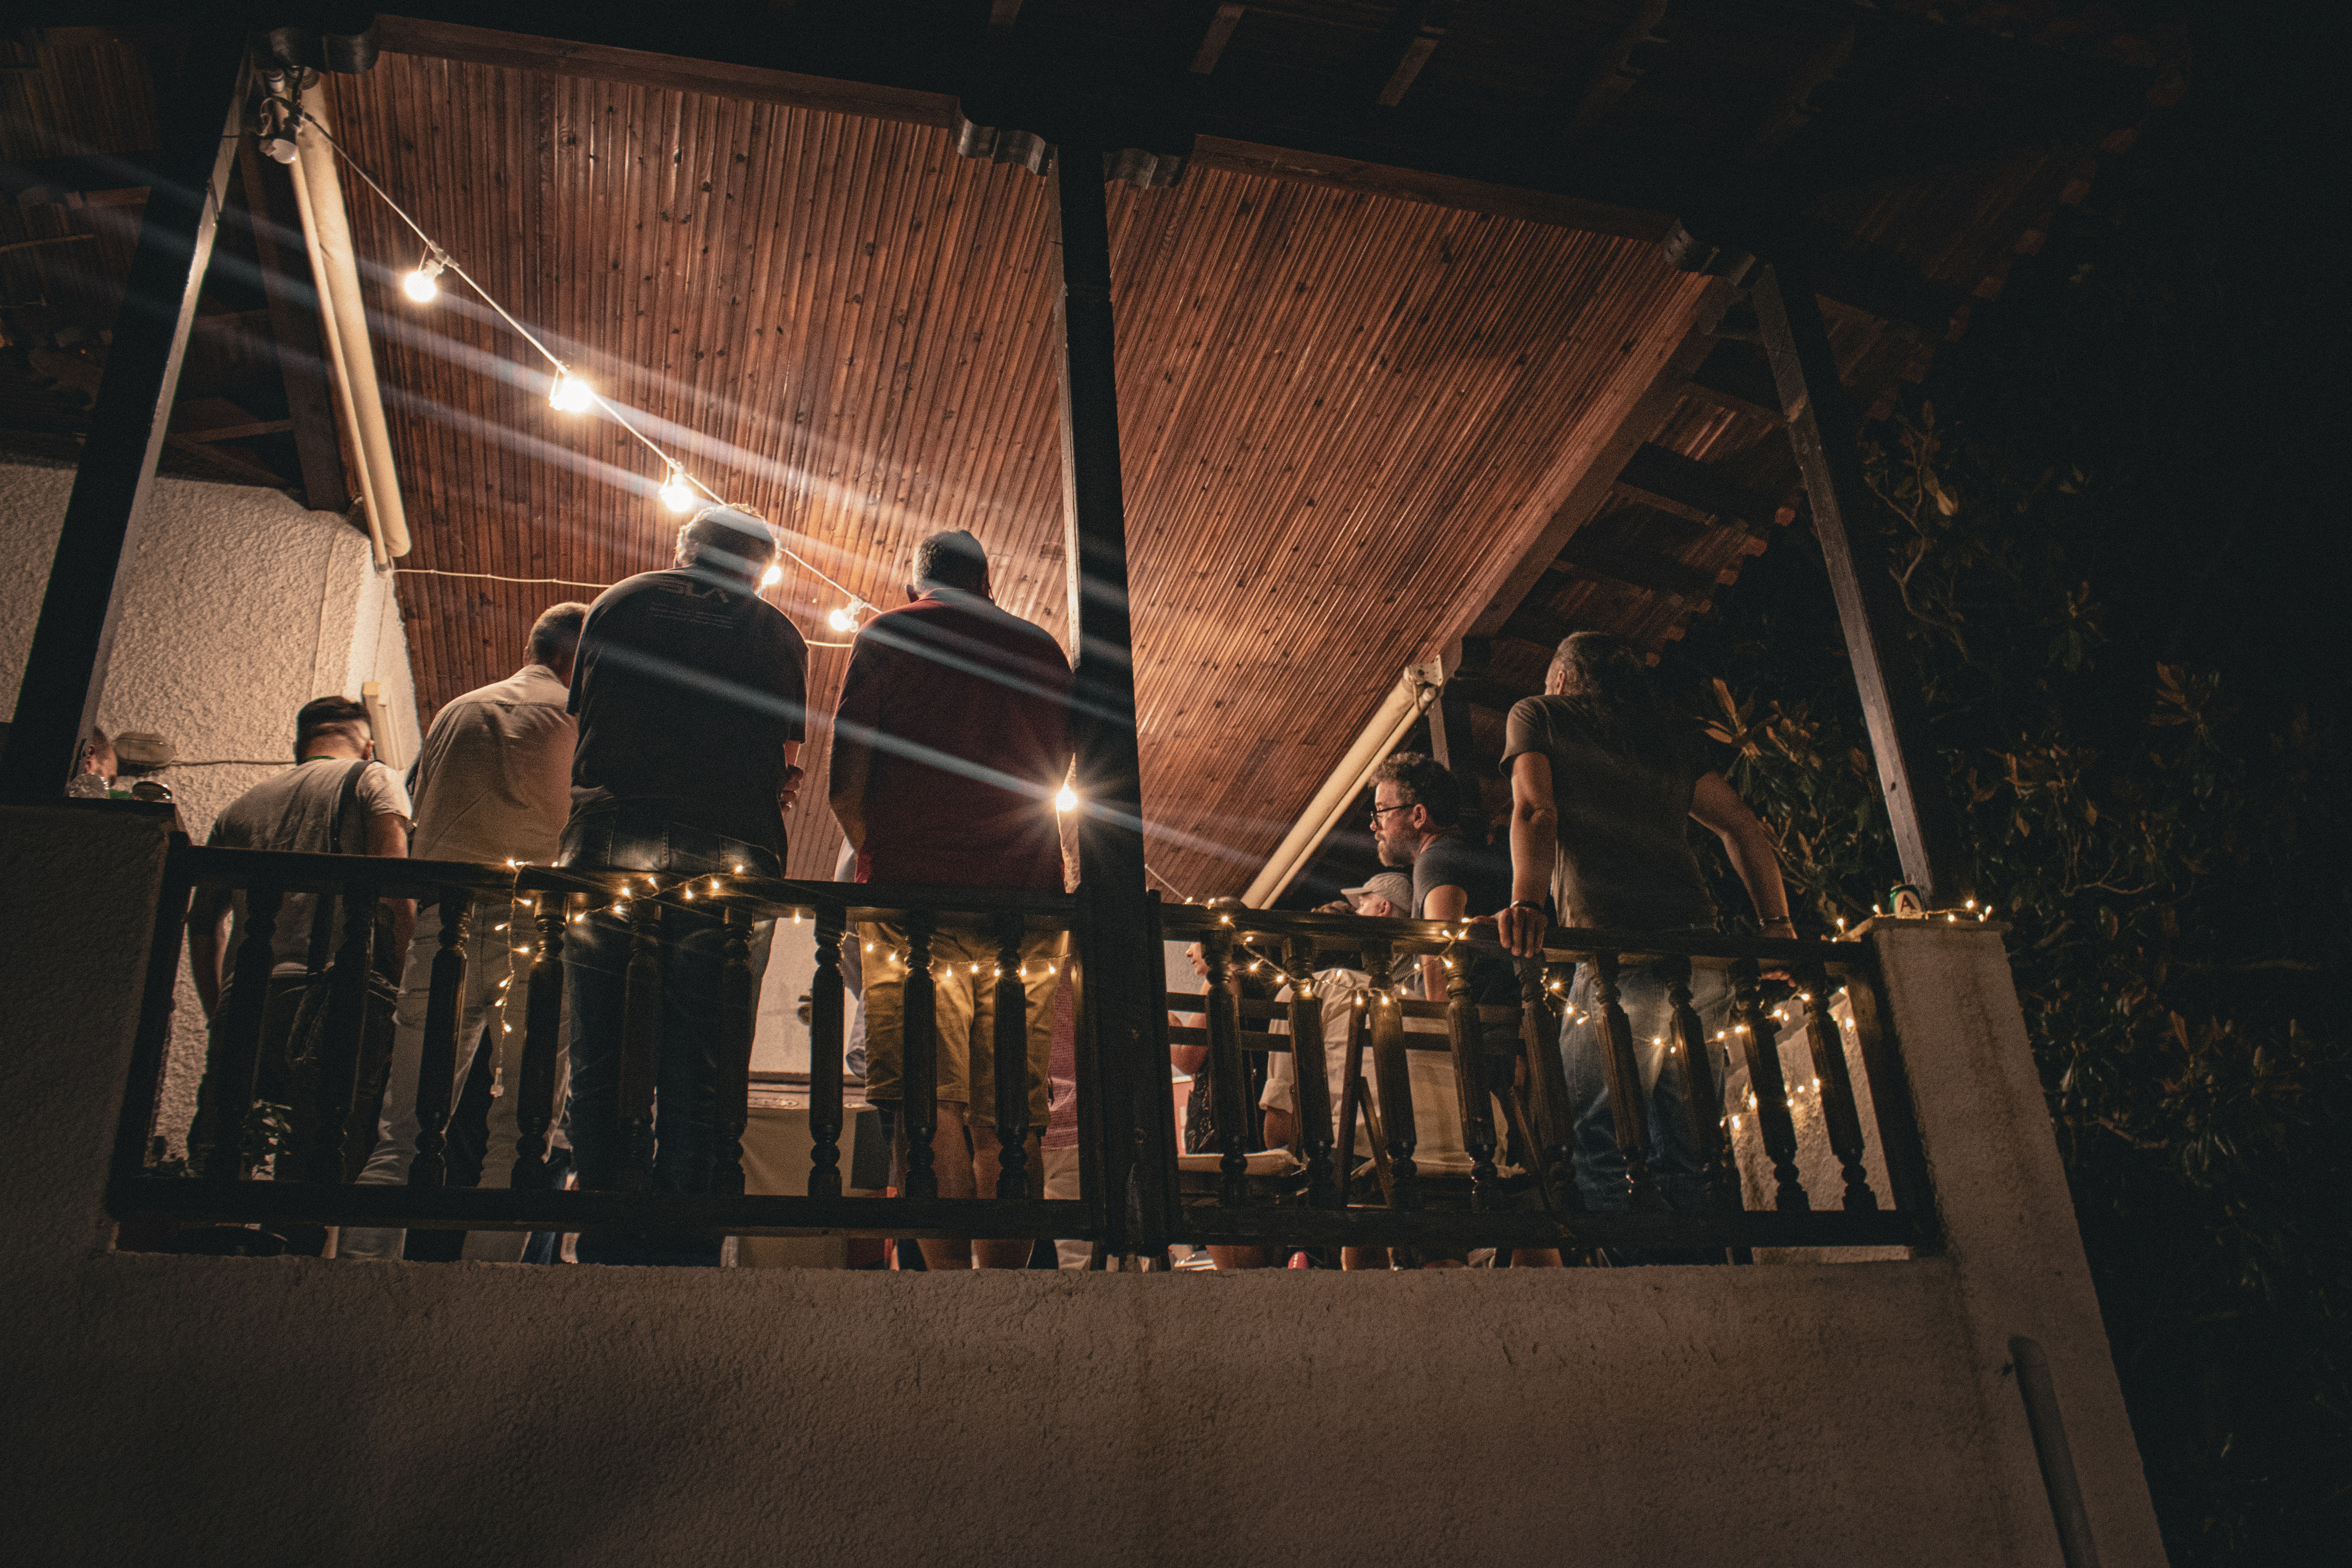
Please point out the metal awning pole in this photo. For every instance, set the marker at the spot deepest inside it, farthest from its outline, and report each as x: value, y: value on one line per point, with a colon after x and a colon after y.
x: 65, y: 673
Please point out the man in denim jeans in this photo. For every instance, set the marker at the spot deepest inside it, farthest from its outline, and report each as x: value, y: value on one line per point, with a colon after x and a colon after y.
x: 1602, y: 789
x: 690, y: 688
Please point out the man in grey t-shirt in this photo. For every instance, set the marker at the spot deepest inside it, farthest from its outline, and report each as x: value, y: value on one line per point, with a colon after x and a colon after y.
x: 1603, y: 788
x: 296, y: 811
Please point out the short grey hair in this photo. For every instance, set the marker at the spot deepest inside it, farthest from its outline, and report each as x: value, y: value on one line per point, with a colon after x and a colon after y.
x: 739, y: 539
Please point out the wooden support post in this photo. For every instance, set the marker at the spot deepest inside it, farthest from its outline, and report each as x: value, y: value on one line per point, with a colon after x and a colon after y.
x: 65, y: 672
x: 1822, y: 428
x: 293, y: 297
x: 825, y: 1043
x: 436, y: 1066
x: 1118, y: 959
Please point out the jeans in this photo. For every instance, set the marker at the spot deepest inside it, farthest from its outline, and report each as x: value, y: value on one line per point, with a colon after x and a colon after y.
x: 1674, y: 1159
x: 686, y: 1080
x: 490, y: 959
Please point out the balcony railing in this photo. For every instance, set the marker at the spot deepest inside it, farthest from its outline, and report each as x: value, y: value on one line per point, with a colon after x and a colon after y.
x: 1519, y: 1190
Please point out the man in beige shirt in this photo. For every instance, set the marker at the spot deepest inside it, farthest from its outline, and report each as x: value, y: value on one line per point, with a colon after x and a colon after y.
x: 494, y: 784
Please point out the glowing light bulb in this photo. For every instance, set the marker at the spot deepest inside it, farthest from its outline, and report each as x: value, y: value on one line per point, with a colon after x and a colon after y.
x: 572, y: 394
x: 675, y: 493
x: 771, y: 576
x: 1067, y: 799
x: 844, y: 619
x: 419, y: 286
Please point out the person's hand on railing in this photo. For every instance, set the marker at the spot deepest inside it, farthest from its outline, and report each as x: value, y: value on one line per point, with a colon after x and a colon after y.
x: 789, y: 789
x: 1520, y: 929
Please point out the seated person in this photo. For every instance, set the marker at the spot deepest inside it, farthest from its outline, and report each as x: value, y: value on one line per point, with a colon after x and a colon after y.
x: 1436, y: 1108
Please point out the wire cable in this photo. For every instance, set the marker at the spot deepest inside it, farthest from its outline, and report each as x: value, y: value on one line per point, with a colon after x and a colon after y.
x: 297, y: 116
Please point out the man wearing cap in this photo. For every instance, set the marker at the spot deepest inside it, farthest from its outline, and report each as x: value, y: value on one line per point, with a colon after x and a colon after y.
x: 688, y: 688
x: 951, y: 740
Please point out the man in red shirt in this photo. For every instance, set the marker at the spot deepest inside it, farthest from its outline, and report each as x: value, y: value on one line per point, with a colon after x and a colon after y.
x: 951, y: 740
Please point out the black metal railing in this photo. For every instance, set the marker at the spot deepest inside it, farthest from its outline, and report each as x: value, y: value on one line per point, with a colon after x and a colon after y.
x: 1520, y: 1191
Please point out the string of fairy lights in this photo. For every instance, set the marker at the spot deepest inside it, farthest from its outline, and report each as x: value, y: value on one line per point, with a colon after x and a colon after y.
x: 680, y: 489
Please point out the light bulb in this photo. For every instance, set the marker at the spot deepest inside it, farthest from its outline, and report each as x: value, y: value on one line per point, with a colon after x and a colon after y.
x: 675, y: 493
x: 844, y: 619
x: 572, y: 394
x: 771, y: 576
x: 1067, y: 799
x: 419, y: 286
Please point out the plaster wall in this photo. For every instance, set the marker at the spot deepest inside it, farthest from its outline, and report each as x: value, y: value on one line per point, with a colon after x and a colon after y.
x: 297, y: 1411
x: 240, y: 606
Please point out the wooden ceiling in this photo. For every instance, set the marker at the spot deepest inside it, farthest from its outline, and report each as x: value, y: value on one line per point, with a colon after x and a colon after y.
x: 1368, y: 411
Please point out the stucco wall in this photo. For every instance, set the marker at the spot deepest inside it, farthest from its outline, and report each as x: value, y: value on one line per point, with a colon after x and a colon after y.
x: 241, y: 606
x: 294, y: 1411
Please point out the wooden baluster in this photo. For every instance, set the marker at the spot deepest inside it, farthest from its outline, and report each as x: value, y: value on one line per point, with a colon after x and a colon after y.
x: 1907, y: 1180
x: 641, y: 1011
x: 1702, y: 1095
x: 238, y: 1038
x: 338, y: 1082
x: 918, y: 1011
x: 825, y: 1046
x: 1351, y: 1105
x: 135, y: 1126
x: 436, y: 1066
x: 543, y: 1044
x: 1012, y: 1051
x: 738, y: 1008
x: 1555, y: 1121
x: 1629, y: 1108
x: 1469, y: 1039
x: 1310, y: 1071
x: 1839, y: 1113
x: 1228, y: 1070
x: 1392, y: 1075
x: 1757, y: 1037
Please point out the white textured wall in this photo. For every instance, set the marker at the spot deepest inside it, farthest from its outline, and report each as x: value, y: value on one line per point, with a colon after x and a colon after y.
x: 242, y: 607
x: 232, y: 1411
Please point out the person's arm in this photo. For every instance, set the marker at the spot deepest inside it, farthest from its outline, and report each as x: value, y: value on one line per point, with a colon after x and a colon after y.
x: 846, y: 788
x: 854, y: 717
x: 1448, y: 903
x: 387, y: 834
x: 1715, y: 806
x: 788, y: 789
x: 1535, y: 850
x: 207, y: 935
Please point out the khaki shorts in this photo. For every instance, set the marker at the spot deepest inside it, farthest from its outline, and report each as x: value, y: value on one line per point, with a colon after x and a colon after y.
x: 966, y: 1012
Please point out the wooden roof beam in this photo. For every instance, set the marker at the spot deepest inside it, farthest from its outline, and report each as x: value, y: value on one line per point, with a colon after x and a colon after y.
x: 1593, y: 488
x: 1687, y: 488
x: 1423, y: 24
x: 1613, y: 73
x: 1737, y: 378
x: 1213, y: 41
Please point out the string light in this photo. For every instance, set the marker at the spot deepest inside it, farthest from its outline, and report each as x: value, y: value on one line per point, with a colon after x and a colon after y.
x: 572, y: 394
x: 844, y: 619
x: 421, y: 285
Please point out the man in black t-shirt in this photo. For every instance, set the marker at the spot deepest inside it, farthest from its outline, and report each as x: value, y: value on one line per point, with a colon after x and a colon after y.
x: 689, y: 690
